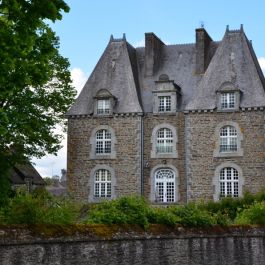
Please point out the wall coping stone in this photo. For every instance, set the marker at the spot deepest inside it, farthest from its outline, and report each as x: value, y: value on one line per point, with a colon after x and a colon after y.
x: 47, y: 234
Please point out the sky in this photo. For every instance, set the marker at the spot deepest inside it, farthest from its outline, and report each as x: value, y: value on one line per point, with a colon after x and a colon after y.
x: 84, y: 33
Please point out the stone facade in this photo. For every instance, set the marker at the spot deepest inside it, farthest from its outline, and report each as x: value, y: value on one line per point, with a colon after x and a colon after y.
x: 126, y: 166
x: 174, y: 123
x: 202, y: 142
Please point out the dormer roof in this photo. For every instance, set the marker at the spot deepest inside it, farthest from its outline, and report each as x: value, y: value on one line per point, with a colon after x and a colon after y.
x: 130, y: 74
x: 234, y: 64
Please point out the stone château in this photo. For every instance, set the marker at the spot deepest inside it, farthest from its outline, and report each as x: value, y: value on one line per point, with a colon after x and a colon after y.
x: 174, y: 123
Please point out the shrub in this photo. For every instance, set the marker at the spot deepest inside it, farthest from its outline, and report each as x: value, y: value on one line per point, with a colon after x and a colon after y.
x: 192, y: 215
x: 157, y: 215
x: 126, y: 210
x: 39, y: 208
x: 255, y: 214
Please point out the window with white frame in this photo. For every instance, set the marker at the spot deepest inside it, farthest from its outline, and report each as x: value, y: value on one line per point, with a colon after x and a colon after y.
x: 228, y: 100
x: 103, y: 142
x: 229, y: 182
x: 164, y: 144
x: 164, y: 103
x: 103, y: 106
x: 165, y: 185
x: 228, y: 139
x: 102, y: 184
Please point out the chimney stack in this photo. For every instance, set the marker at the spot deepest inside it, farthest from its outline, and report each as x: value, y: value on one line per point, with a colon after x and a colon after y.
x: 203, y: 41
x: 153, y: 47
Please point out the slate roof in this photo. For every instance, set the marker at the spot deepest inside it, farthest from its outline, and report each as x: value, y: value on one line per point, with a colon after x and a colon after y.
x: 235, y: 62
x: 121, y: 70
x: 116, y: 71
x: 20, y: 172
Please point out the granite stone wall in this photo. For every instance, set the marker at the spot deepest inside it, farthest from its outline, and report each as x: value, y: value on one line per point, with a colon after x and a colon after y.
x: 230, y: 246
x: 201, y: 141
x: 150, y: 122
x: 126, y: 164
x: 195, y: 162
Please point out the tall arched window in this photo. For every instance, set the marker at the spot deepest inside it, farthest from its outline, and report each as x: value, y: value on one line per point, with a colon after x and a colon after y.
x: 164, y: 141
x: 102, y: 184
x: 228, y: 139
x: 103, y: 142
x: 165, y: 183
x: 229, y: 182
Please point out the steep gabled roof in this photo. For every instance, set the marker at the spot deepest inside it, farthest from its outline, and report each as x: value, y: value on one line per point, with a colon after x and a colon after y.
x: 234, y: 62
x: 116, y: 72
x: 20, y: 172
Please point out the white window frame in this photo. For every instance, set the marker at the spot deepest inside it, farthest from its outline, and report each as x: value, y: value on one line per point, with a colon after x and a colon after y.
x: 165, y: 186
x: 164, y: 141
x: 103, y: 106
x: 103, y: 142
x: 102, y: 184
x: 217, y: 183
x: 229, y: 182
x: 228, y: 100
x: 91, y: 184
x: 164, y: 104
x: 95, y: 143
x: 228, y: 139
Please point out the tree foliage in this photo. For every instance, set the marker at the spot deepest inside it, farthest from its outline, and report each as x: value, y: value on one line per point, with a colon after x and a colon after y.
x: 35, y: 82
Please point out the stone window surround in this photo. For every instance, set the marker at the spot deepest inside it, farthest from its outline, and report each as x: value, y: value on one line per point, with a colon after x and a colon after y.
x: 154, y: 154
x: 91, y: 197
x: 104, y: 94
x: 93, y: 141
x: 216, y: 182
x: 156, y: 101
x: 217, y: 152
x: 228, y: 87
x: 152, y: 182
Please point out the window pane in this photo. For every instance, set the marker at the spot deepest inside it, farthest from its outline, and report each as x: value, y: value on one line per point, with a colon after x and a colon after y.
x: 165, y: 185
x: 228, y: 182
x: 103, y: 106
x: 164, y: 142
x: 102, y: 186
x: 228, y: 100
x: 103, y: 142
x: 164, y: 103
x: 228, y: 139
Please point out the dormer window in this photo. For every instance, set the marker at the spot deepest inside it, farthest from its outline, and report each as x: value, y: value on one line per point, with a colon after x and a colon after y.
x: 166, y: 95
x: 104, y: 102
x: 103, y: 106
x: 228, y: 97
x: 228, y: 100
x: 164, y: 103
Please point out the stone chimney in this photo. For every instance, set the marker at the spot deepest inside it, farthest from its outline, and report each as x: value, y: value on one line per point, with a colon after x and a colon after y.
x: 203, y: 58
x: 153, y: 47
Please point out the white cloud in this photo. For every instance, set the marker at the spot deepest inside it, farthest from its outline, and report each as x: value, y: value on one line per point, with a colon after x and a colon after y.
x: 79, y: 78
x: 140, y: 43
x: 262, y: 63
x: 50, y: 165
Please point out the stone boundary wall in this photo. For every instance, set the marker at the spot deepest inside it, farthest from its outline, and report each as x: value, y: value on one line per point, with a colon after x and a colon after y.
x: 99, y: 244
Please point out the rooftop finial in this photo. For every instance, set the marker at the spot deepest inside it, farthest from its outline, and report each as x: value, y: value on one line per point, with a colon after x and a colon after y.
x: 124, y: 37
x: 241, y: 27
x: 227, y: 28
x: 111, y: 38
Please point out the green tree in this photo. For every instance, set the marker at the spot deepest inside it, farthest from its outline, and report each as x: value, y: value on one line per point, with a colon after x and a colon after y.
x: 35, y: 82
